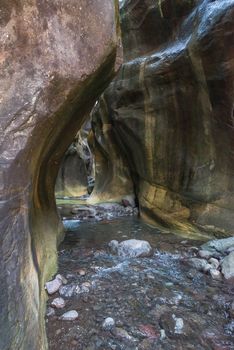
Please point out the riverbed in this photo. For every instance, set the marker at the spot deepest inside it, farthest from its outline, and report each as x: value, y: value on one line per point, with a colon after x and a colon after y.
x: 156, y: 302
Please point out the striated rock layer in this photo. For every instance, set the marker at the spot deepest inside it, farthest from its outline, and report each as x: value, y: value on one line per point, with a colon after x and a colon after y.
x: 56, y: 58
x: 171, y: 109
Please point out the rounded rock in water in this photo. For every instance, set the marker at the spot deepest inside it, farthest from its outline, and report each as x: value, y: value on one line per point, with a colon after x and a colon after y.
x: 108, y: 324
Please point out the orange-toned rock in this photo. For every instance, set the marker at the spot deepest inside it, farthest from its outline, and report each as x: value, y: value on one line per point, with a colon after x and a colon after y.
x: 56, y: 58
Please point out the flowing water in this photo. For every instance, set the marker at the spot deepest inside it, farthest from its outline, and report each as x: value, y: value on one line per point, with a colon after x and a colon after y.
x: 157, y: 302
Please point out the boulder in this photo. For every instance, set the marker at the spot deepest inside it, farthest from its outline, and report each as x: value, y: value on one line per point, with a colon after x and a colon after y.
x: 134, y: 248
x: 219, y: 245
x: 56, y: 59
x: 228, y: 266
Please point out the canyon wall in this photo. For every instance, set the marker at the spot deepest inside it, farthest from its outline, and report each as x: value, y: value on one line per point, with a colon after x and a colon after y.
x: 56, y: 58
x: 171, y: 111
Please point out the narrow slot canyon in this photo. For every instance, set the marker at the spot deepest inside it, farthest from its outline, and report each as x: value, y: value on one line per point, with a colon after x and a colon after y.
x: 117, y: 175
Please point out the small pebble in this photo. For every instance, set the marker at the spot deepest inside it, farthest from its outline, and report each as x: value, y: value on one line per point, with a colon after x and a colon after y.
x: 58, y: 303
x: 108, y: 324
x: 69, y: 316
x: 215, y: 274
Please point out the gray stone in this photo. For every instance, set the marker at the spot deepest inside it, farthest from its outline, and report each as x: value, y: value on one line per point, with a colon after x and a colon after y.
x: 228, y: 266
x: 53, y: 286
x: 69, y: 316
x: 214, y: 262
x: 108, y: 324
x: 205, y: 254
x: 58, y: 303
x: 199, y: 264
x: 220, y: 245
x: 215, y: 274
x: 134, y: 248
x: 114, y: 246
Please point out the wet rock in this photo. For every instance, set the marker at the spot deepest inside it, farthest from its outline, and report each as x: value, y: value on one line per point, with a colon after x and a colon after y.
x: 69, y: 316
x: 58, y: 303
x: 220, y: 245
x: 199, y: 264
x: 53, y: 286
x: 134, y: 248
x: 205, y: 254
x: 50, y: 312
x: 114, y: 246
x: 108, y: 324
x: 69, y: 290
x: 214, y: 262
x: 71, y: 225
x: 228, y: 266
x: 215, y: 274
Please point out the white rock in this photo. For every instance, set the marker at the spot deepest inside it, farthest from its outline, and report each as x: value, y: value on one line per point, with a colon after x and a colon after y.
x: 53, y: 286
x: 162, y: 334
x: 179, y: 325
x: 214, y: 262
x: 215, y: 274
x: 134, y: 248
x: 228, y: 266
x: 69, y: 316
x: 205, y: 254
x: 58, y: 303
x: 108, y: 323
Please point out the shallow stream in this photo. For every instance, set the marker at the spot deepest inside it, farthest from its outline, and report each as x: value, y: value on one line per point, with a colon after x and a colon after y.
x: 157, y: 302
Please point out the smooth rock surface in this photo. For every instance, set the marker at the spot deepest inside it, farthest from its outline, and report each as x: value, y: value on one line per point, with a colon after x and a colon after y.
x: 58, y: 303
x: 228, y: 266
x: 134, y: 248
x: 108, y: 324
x: 56, y: 59
x: 171, y: 111
x: 219, y: 245
x: 53, y: 286
x: 69, y: 316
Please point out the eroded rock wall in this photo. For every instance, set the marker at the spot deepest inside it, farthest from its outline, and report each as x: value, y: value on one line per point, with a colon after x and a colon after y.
x: 77, y: 171
x: 171, y: 110
x: 56, y: 58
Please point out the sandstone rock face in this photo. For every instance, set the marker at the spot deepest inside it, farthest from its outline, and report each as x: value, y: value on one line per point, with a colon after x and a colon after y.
x: 112, y: 174
x: 76, y: 168
x: 56, y: 58
x: 171, y: 111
